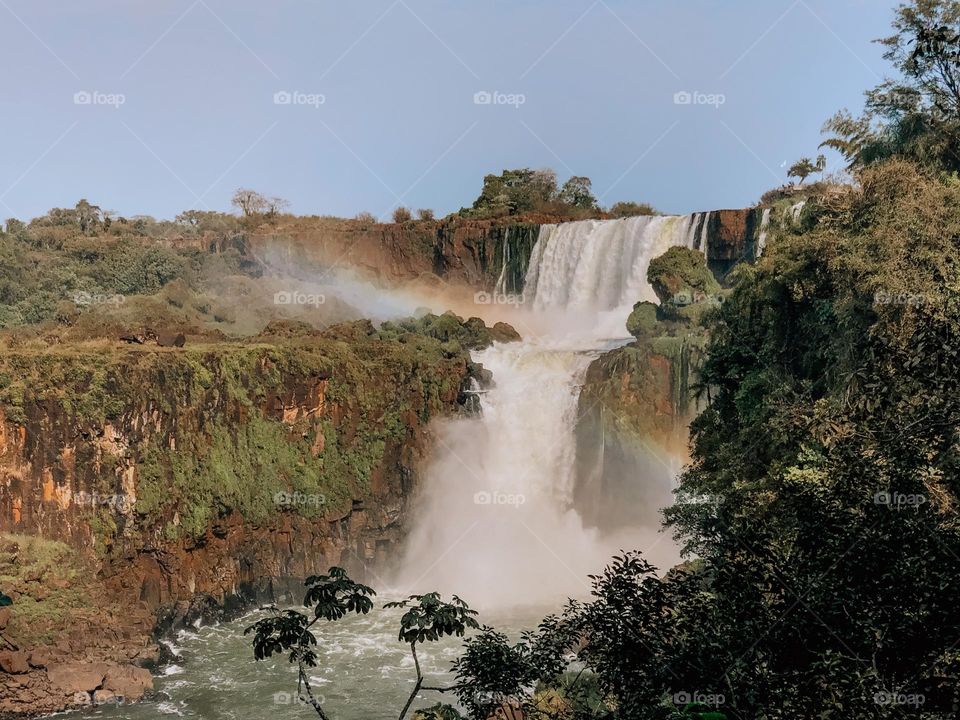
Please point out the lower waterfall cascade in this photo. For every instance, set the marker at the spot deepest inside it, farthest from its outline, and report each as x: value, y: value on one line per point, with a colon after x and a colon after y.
x: 495, y: 521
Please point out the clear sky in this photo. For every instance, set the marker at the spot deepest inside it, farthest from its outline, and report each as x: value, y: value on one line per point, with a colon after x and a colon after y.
x: 156, y: 106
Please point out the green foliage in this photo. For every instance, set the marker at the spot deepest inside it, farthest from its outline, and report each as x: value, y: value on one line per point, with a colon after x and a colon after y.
x: 632, y: 209
x: 438, y: 712
x: 831, y: 451
x: 578, y: 192
x: 456, y: 333
x: 332, y: 597
x: 402, y: 215
x: 516, y: 191
x: 806, y: 167
x: 428, y: 618
x: 916, y: 116
x: 681, y: 276
x: 643, y: 320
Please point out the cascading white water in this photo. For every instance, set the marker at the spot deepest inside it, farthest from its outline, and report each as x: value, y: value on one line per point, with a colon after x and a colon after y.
x: 764, y: 228
x: 495, y: 521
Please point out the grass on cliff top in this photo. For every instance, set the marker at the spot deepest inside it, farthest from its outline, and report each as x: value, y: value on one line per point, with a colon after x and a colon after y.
x: 41, y: 576
x: 221, y: 444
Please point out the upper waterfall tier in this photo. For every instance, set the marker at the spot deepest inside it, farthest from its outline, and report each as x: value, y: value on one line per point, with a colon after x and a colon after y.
x: 602, y: 265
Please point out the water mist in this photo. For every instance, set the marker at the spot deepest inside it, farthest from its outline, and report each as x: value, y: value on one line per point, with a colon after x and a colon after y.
x: 496, y: 520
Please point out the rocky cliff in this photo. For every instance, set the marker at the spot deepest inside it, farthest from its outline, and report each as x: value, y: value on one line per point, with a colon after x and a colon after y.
x: 181, y: 480
x: 475, y: 253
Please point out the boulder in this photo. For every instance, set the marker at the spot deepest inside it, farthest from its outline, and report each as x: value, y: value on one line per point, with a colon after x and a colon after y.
x: 40, y: 658
x: 128, y: 681
x: 5, y: 615
x: 14, y: 663
x: 643, y: 320
x: 73, y: 678
x: 681, y: 277
x: 504, y: 332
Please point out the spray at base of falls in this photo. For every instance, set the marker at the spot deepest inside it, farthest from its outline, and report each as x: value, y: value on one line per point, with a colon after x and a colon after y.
x: 495, y: 521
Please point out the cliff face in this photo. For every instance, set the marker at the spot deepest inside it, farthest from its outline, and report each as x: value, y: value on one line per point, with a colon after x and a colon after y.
x: 634, y: 409
x: 732, y: 238
x: 468, y: 252
x: 186, y: 479
x: 117, y: 449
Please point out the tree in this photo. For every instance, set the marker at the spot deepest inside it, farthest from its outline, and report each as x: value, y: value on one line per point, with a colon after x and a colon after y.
x: 425, y: 214
x: 631, y: 209
x: 805, y: 167
x: 578, y: 192
x: 916, y: 115
x: 89, y: 217
x: 428, y: 619
x: 516, y: 191
x: 332, y: 597
x: 249, y: 202
x: 402, y: 215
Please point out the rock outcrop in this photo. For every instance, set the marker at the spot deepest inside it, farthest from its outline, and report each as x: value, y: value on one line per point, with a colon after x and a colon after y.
x: 189, y: 482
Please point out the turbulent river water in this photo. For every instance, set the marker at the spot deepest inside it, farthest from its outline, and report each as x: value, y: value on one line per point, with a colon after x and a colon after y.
x: 495, y: 521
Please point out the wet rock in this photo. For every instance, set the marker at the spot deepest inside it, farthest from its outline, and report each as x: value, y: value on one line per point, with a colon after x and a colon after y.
x: 128, y: 682
x: 72, y: 678
x: 504, y: 332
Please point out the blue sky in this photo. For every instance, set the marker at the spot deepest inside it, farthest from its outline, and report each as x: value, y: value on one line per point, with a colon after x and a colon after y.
x: 156, y: 106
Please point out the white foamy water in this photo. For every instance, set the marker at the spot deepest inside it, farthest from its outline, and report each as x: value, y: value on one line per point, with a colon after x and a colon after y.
x: 495, y: 520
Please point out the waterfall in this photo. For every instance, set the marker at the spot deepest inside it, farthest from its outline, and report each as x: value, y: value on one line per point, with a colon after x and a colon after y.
x: 705, y: 235
x: 764, y: 227
x: 495, y: 520
x: 501, y: 287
